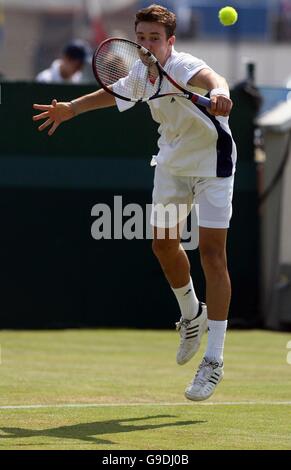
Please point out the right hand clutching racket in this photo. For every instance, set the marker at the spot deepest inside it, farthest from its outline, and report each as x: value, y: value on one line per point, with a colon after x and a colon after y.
x: 54, y: 114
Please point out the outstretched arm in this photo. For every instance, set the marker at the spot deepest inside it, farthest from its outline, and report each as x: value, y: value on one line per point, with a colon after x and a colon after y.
x: 56, y: 113
x: 209, y: 80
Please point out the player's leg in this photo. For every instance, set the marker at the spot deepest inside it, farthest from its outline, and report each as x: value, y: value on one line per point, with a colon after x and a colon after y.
x: 167, y: 227
x: 214, y: 215
x: 172, y: 258
x: 212, y: 247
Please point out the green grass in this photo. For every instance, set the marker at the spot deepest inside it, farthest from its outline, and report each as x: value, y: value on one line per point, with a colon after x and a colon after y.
x: 133, y: 373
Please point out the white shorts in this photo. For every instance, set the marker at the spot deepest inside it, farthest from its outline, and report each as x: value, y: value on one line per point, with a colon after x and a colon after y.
x: 174, y: 196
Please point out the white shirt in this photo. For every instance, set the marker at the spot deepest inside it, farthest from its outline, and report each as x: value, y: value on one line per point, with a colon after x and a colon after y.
x: 192, y: 142
x: 53, y: 74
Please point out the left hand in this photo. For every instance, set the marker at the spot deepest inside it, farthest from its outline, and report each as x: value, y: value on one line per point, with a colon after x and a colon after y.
x: 221, y: 105
x: 54, y: 114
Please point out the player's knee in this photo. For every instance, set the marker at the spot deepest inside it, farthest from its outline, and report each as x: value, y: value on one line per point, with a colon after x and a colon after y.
x: 213, y: 259
x: 164, y: 248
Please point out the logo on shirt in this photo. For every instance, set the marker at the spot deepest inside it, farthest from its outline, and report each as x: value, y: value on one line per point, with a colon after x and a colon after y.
x: 190, y: 66
x: 173, y: 100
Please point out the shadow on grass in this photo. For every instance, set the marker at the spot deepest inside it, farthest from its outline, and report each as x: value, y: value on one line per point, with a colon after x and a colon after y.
x: 87, y: 431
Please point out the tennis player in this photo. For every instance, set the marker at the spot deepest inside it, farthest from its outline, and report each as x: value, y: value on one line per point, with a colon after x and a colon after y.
x: 195, y: 163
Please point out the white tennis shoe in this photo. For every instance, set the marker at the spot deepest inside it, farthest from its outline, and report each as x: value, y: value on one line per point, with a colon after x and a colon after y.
x: 191, y: 332
x: 208, y: 376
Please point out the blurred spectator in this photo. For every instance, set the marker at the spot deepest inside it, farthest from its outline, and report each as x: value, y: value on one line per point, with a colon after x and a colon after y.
x: 285, y: 6
x: 283, y: 27
x: 69, y: 68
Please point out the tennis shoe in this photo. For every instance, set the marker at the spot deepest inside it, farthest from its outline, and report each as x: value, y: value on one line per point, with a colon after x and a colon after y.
x: 191, y: 332
x: 208, y: 376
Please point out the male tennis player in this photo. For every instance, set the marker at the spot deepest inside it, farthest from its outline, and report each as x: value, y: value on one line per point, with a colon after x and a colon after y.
x: 196, y: 162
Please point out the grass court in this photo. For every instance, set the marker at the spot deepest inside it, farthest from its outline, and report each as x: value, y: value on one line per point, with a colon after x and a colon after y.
x: 121, y: 389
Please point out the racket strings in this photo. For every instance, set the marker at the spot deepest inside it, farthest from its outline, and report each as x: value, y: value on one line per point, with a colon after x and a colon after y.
x: 132, y: 74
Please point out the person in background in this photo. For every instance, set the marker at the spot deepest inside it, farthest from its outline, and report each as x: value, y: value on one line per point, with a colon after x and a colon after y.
x: 69, y: 67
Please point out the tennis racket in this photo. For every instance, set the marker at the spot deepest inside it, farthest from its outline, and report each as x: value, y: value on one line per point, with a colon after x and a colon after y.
x: 131, y: 72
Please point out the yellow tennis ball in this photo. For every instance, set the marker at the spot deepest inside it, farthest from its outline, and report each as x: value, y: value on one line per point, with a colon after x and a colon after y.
x: 227, y: 16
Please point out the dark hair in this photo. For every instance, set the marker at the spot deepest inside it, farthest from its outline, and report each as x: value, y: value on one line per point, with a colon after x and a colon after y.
x: 76, y: 50
x: 157, y: 14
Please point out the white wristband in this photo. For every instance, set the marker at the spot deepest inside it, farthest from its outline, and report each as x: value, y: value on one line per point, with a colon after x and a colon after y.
x: 219, y: 91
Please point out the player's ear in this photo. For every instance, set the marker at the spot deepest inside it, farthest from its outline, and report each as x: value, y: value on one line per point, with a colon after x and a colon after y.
x: 172, y: 40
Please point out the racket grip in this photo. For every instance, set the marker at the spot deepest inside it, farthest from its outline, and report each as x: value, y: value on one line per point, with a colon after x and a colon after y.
x: 203, y: 101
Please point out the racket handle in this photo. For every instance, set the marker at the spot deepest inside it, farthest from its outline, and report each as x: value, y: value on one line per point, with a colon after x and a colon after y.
x: 202, y: 100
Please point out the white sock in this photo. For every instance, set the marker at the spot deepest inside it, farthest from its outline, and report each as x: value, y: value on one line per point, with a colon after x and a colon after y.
x: 216, y: 337
x: 187, y: 300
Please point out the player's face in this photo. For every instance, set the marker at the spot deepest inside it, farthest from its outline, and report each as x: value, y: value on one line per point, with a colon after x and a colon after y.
x: 153, y: 37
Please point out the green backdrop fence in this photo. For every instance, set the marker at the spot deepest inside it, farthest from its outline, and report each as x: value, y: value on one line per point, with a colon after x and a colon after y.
x: 54, y: 274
